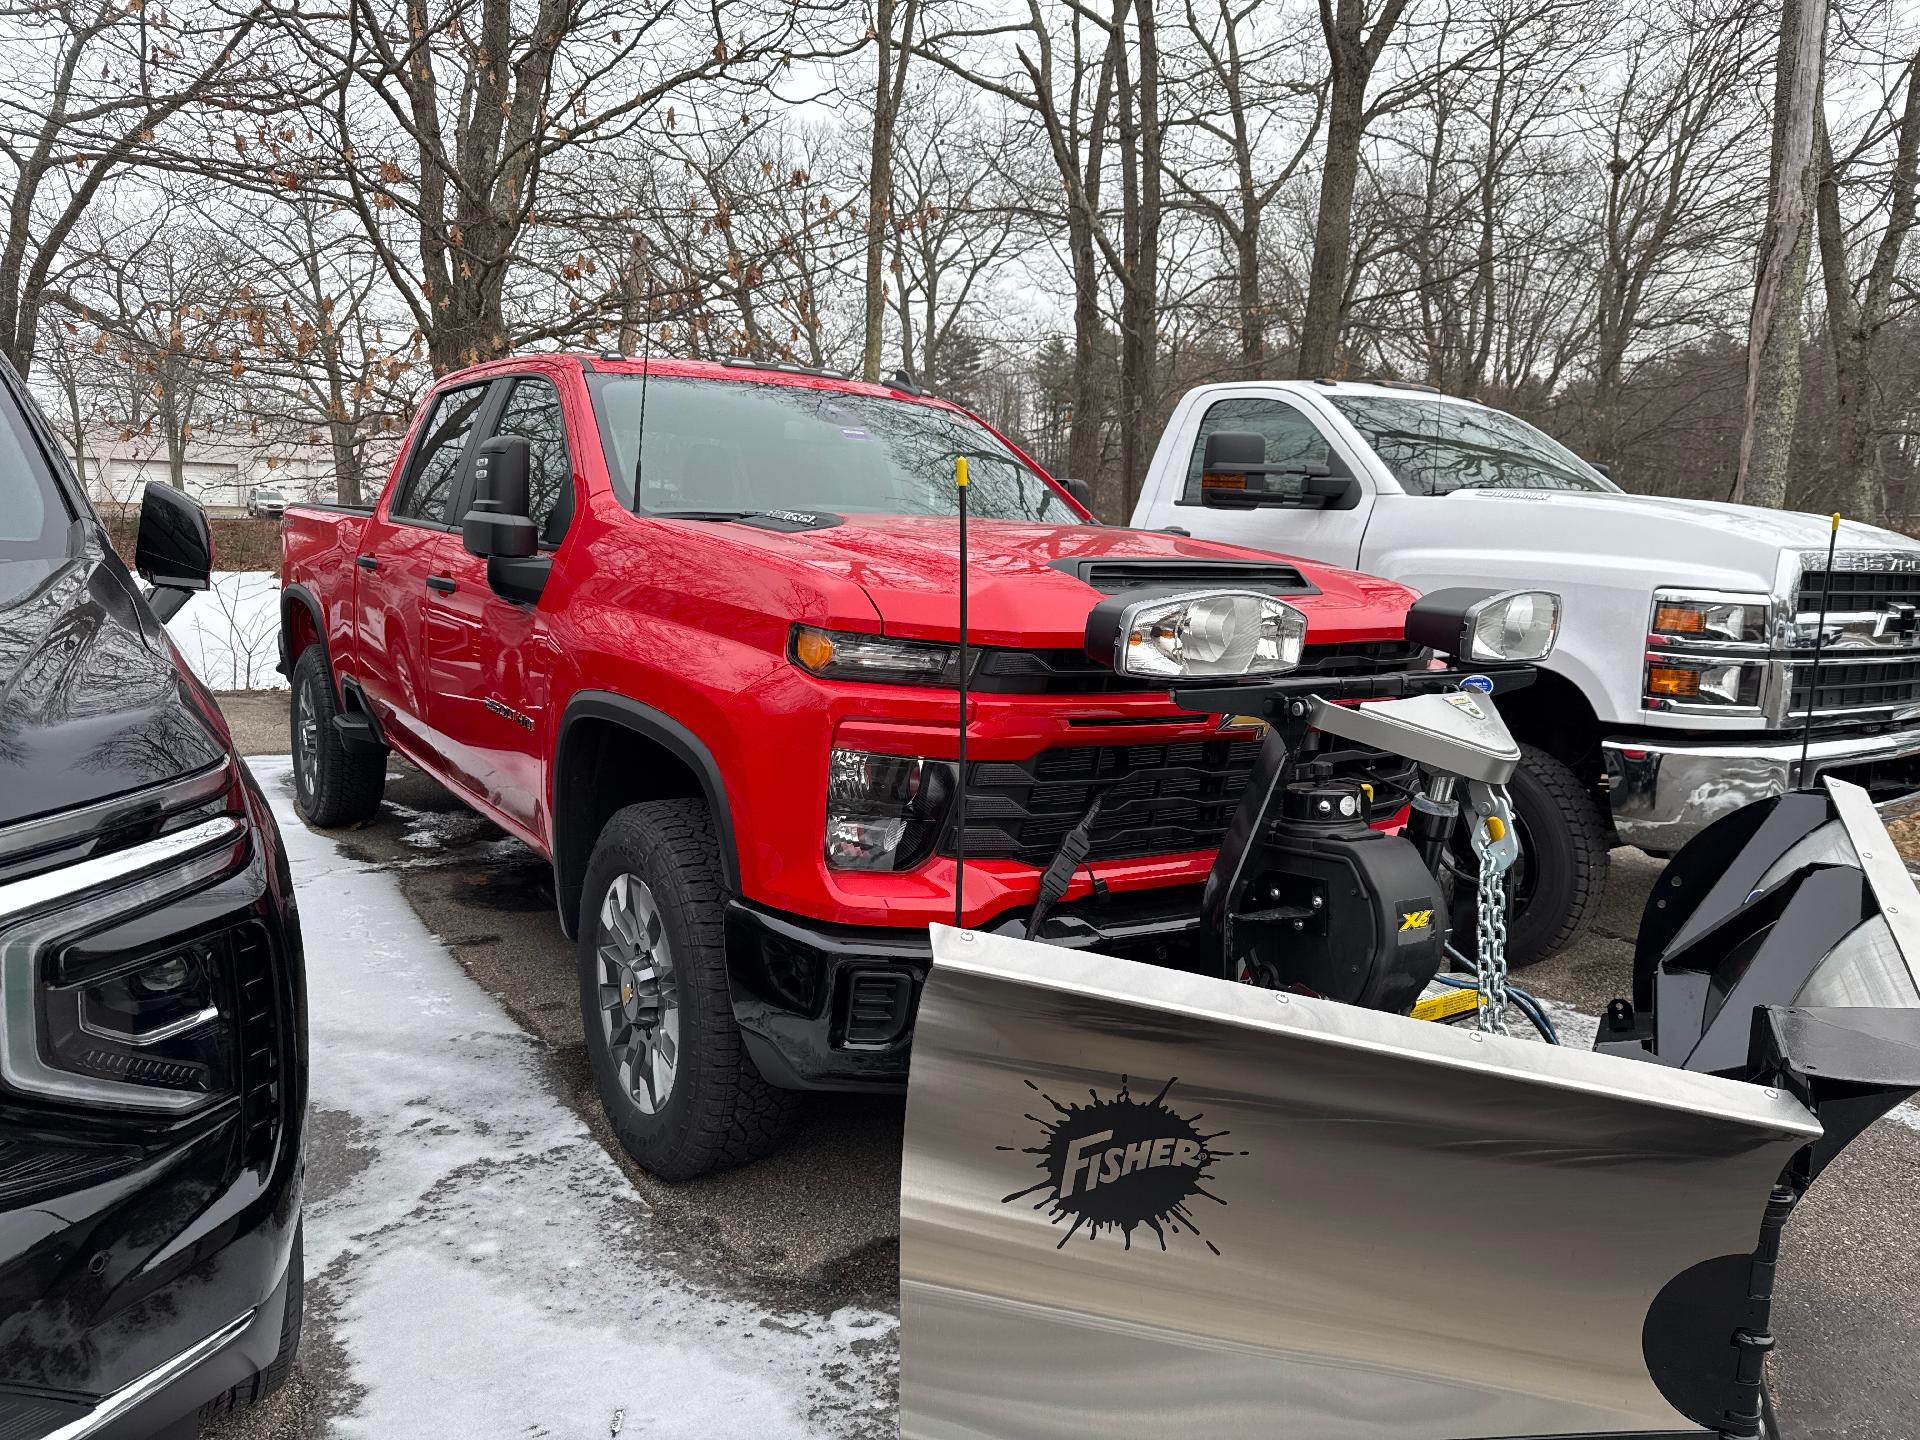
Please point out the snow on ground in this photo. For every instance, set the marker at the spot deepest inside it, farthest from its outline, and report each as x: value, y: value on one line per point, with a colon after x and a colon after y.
x: 230, y: 634
x: 476, y: 1259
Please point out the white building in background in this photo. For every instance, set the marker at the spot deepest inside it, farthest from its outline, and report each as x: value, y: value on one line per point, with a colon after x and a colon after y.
x: 223, y: 467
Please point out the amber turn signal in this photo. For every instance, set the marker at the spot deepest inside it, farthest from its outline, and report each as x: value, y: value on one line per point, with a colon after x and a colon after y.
x: 1679, y: 620
x: 813, y: 649
x: 1673, y: 682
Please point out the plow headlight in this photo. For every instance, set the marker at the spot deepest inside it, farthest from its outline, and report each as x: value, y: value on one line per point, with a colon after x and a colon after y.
x: 1489, y: 626
x: 1206, y: 635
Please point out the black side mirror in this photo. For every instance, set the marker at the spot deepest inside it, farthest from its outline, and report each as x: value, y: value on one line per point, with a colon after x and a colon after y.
x: 1232, y: 457
x: 497, y: 526
x: 173, y: 549
x: 1080, y: 490
x: 1606, y: 470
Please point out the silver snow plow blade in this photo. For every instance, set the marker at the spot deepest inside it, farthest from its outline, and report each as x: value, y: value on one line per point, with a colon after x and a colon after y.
x: 1136, y: 1202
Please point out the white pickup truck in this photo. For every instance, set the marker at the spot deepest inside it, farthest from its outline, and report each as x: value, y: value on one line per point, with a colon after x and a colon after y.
x: 1685, y: 665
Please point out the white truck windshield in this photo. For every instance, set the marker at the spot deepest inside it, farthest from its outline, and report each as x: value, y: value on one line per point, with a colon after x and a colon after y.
x: 1435, y: 446
x: 715, y: 447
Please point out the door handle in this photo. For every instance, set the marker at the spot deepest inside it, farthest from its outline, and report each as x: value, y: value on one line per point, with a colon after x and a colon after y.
x: 441, y: 583
x: 367, y: 562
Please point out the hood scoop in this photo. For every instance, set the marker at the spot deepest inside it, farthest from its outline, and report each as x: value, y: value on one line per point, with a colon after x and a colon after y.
x: 1121, y: 576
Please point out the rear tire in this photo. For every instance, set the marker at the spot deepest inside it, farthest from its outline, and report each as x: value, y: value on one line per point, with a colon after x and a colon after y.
x: 1564, y: 840
x: 669, y: 1062
x: 332, y: 784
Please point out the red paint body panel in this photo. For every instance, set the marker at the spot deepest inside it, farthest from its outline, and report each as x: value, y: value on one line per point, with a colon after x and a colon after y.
x: 692, y: 619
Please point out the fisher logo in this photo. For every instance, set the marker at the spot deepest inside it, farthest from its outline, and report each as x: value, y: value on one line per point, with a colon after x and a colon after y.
x: 1118, y: 1163
x: 1416, y: 920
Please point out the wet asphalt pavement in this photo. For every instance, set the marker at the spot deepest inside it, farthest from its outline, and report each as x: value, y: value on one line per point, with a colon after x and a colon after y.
x: 815, y: 1227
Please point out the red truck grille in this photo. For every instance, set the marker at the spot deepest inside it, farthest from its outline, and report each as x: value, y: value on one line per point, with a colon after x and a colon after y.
x: 1157, y: 799
x: 1074, y: 672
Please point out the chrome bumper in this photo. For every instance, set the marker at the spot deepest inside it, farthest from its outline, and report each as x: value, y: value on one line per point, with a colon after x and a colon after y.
x: 1665, y: 794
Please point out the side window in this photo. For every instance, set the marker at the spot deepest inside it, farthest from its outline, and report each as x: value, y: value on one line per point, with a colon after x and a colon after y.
x: 533, y: 410
x: 1292, y: 439
x: 436, y: 462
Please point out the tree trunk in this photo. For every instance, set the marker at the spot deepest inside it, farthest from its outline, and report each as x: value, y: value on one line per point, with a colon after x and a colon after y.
x: 879, y: 186
x: 1333, y: 227
x: 1140, y: 220
x: 1779, y: 293
x: 346, y: 462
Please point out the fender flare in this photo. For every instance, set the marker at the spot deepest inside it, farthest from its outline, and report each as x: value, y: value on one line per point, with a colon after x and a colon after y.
x: 300, y: 595
x: 664, y: 731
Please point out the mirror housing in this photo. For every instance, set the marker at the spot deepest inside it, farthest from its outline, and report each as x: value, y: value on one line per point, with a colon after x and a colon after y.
x: 498, y: 527
x: 1080, y: 490
x: 1231, y: 457
x: 173, y: 549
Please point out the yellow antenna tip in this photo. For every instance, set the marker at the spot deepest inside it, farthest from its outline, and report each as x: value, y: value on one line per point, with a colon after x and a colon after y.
x: 1836, y: 520
x: 960, y: 472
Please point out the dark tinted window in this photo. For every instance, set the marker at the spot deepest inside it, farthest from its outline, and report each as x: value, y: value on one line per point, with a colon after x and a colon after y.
x: 533, y: 410
x: 34, y: 517
x: 1292, y: 439
x: 437, y: 455
x: 745, y: 445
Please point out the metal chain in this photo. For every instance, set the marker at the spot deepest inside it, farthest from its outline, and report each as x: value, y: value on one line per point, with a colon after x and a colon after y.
x: 1490, y: 954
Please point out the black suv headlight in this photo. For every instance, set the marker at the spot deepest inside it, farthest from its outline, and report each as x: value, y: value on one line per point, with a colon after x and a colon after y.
x: 92, y: 1020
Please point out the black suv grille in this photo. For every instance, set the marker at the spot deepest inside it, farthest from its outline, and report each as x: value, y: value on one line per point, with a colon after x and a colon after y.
x: 1074, y: 672
x: 1855, y: 590
x: 1158, y: 799
x: 1885, y: 684
x: 262, y: 1084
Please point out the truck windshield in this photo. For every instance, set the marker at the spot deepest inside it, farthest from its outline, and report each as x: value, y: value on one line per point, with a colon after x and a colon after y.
x: 721, y: 447
x: 1435, y: 446
x: 34, y: 518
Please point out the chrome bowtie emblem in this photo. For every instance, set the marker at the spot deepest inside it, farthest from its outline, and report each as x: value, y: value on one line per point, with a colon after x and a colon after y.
x: 1899, y: 620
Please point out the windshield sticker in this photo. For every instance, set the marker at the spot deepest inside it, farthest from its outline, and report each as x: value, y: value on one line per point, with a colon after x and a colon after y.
x: 854, y: 432
x: 1118, y: 1163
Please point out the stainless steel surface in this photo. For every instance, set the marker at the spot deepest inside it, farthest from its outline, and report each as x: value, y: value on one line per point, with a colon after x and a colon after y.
x: 38, y: 911
x: 1330, y: 1291
x: 1886, y: 873
x: 1664, y: 793
x: 1460, y: 733
x: 117, y: 1405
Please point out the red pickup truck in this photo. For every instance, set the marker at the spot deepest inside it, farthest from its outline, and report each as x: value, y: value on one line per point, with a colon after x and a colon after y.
x: 717, y: 689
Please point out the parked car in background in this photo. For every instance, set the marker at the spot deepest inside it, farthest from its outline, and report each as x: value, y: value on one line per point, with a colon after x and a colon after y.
x: 267, y: 502
x: 152, y: 1005
x: 724, y: 706
x: 1684, y: 672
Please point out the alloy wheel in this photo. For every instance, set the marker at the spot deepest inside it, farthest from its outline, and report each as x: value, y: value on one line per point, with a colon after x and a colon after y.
x: 638, y: 1001
x: 306, y: 735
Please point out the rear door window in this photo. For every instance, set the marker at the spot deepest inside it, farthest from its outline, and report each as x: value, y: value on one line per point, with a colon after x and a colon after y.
x: 435, y: 471
x: 1292, y: 439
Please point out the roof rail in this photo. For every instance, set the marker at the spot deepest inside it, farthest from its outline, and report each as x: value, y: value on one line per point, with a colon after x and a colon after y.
x: 747, y: 362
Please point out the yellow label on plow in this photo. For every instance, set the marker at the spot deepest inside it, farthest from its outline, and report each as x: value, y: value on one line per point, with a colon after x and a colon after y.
x: 1446, y: 1006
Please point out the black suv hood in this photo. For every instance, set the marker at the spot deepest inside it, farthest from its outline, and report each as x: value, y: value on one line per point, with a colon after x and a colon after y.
x: 92, y: 704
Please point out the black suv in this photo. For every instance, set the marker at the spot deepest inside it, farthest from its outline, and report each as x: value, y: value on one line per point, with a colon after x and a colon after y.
x: 152, y: 1001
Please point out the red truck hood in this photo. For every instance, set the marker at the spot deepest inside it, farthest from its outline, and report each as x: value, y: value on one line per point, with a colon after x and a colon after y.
x: 909, y: 567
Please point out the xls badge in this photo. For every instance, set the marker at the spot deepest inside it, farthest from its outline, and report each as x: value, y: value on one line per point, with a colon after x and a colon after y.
x: 1119, y: 1163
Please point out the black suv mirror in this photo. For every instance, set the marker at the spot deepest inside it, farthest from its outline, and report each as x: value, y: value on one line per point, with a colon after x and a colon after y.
x: 1233, y: 457
x: 173, y: 550
x: 498, y: 525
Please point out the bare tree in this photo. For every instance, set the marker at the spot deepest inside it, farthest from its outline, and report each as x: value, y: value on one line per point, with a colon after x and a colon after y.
x: 89, y: 88
x: 1860, y: 310
x: 890, y: 84
x: 1779, y: 291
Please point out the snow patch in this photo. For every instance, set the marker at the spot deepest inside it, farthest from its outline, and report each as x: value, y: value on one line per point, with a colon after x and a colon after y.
x: 229, y: 634
x: 489, y: 1269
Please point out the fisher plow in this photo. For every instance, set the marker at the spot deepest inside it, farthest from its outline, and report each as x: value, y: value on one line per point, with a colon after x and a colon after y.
x: 1269, y: 1202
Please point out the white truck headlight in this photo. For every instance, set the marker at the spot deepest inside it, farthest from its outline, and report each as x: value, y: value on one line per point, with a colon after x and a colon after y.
x: 1203, y: 635
x: 1683, y: 615
x: 1482, y: 625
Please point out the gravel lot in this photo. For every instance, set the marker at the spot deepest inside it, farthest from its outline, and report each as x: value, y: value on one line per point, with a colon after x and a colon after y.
x: 789, y: 1265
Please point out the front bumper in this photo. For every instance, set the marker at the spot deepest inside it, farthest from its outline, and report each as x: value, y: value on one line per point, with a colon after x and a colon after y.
x: 1665, y: 793
x: 831, y: 1007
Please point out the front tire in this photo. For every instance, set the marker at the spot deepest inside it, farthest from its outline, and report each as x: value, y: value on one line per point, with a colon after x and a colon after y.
x: 673, y: 1074
x: 1556, y: 886
x: 332, y: 784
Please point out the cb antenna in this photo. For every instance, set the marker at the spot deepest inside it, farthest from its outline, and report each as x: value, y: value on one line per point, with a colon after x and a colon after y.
x: 960, y: 790
x: 646, y: 368
x: 1819, y: 639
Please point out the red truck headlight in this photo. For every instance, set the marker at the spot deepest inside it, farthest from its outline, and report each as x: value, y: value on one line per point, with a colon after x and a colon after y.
x: 884, y: 812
